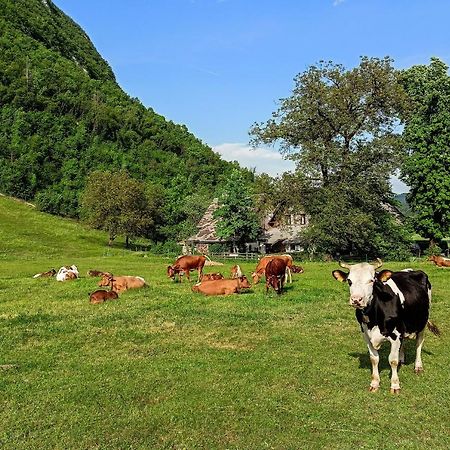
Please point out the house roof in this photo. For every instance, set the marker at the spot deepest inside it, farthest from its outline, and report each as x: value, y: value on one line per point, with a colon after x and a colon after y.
x: 207, y: 226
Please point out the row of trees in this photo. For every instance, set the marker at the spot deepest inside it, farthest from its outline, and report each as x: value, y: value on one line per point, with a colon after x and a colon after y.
x: 348, y: 131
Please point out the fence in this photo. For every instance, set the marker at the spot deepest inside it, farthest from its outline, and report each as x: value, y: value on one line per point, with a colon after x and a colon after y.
x: 228, y: 255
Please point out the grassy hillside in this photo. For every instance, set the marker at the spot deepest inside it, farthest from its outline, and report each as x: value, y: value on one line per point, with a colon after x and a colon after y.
x: 163, y: 368
x: 64, y: 116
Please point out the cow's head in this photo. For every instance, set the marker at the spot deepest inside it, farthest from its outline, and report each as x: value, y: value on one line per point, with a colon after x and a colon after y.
x: 256, y: 277
x: 171, y: 272
x: 361, y: 278
x: 243, y: 282
x: 106, y: 280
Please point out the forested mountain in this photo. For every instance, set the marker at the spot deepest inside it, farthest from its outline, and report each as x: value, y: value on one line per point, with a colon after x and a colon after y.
x: 62, y: 116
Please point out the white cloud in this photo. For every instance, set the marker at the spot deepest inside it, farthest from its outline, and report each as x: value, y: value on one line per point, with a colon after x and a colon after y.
x: 338, y: 2
x: 261, y: 159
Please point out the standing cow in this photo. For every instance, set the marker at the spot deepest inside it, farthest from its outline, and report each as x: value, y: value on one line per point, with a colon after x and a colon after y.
x: 390, y: 306
x: 261, y: 267
x: 184, y: 264
x: 275, y: 273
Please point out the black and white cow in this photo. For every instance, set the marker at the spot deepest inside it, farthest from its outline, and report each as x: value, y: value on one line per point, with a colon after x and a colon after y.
x: 390, y: 306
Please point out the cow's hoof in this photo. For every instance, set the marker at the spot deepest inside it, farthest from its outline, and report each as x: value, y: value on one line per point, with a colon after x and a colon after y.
x: 418, y: 370
x: 395, y: 390
x: 373, y: 388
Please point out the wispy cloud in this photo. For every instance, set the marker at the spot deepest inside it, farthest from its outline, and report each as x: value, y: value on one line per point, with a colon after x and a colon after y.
x: 338, y: 2
x: 263, y: 160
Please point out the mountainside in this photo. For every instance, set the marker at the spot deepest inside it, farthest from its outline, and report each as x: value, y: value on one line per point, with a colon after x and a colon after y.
x: 62, y: 116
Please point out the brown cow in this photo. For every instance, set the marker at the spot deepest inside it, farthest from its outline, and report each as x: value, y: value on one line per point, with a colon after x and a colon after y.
x: 96, y: 273
x: 212, y: 276
x: 120, y: 284
x: 261, y: 267
x: 184, y: 264
x: 222, y: 287
x: 440, y: 261
x: 275, y: 273
x: 297, y: 269
x: 49, y: 273
x: 100, y: 296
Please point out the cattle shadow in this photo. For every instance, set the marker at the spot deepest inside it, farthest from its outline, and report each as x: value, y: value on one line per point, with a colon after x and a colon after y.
x: 410, y: 356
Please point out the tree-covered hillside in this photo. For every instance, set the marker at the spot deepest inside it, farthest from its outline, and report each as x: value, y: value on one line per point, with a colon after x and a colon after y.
x: 62, y: 116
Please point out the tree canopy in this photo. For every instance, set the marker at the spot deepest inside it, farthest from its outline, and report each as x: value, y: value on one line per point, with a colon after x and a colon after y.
x: 426, y: 138
x: 341, y: 128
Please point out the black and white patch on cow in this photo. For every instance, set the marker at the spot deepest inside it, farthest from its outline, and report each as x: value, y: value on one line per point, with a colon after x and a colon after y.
x: 390, y: 306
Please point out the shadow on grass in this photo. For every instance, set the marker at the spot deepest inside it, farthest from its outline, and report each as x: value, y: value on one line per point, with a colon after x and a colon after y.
x: 410, y: 356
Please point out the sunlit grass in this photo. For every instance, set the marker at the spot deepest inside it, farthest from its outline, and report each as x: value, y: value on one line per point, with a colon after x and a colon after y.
x: 164, y: 368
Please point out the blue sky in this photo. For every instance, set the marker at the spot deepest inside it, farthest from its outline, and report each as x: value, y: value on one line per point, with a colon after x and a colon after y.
x: 218, y: 66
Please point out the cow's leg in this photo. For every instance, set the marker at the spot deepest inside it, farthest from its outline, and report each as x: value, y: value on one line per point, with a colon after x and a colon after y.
x: 401, y: 357
x: 394, y: 361
x: 374, y: 359
x: 419, y: 343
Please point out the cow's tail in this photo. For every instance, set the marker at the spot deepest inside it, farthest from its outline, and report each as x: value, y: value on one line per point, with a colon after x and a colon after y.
x: 433, y: 328
x: 207, y: 257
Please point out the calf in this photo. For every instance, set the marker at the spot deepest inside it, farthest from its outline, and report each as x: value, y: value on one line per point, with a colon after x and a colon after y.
x: 236, y: 272
x: 440, y: 261
x: 297, y: 269
x: 222, y: 287
x: 184, y: 264
x: 212, y: 276
x: 390, y: 306
x: 100, y: 296
x: 122, y: 283
x: 275, y: 273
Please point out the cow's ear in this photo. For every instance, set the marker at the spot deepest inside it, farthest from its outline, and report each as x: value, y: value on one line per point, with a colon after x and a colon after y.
x: 339, y: 275
x: 384, y: 275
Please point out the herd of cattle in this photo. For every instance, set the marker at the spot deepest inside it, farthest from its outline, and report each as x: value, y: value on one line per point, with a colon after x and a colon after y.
x: 389, y: 306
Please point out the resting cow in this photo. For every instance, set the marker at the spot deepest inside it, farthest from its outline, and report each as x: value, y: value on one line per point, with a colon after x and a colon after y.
x: 212, y: 276
x: 440, y: 261
x: 275, y: 273
x: 96, y: 273
x: 49, y: 273
x: 222, y: 287
x: 101, y: 296
x: 122, y: 283
x: 184, y: 264
x: 67, y: 273
x: 390, y: 306
x: 261, y: 267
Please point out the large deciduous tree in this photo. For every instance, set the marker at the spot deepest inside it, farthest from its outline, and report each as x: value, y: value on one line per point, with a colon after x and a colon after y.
x: 238, y: 221
x: 341, y: 128
x: 120, y: 205
x: 426, y: 139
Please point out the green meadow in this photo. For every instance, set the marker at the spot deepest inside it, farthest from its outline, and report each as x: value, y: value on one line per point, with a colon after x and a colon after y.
x: 162, y: 368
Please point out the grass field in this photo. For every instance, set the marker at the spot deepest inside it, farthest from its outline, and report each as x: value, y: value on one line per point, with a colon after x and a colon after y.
x: 164, y: 368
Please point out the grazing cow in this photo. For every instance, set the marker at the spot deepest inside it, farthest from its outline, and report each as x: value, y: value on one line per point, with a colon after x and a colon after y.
x: 222, y: 287
x: 236, y: 272
x: 275, y: 273
x: 123, y: 283
x: 184, y: 264
x: 390, y: 306
x: 261, y: 267
x: 96, y: 273
x: 212, y: 276
x: 49, y: 273
x: 440, y: 261
x: 67, y: 273
x: 100, y: 296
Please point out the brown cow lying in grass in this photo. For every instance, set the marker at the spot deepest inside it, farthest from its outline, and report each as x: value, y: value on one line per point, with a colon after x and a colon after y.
x: 123, y: 283
x: 440, y: 261
x: 222, y: 287
x: 96, y: 273
x: 100, y: 296
x: 212, y: 276
x: 49, y: 273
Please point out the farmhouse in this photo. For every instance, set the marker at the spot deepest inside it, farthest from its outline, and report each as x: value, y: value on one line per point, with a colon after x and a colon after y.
x: 279, y: 232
